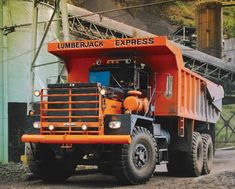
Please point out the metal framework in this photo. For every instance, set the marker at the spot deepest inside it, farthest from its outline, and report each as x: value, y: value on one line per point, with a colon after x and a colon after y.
x: 225, y: 77
x: 83, y: 29
x: 185, y: 36
x: 227, y: 128
x: 84, y: 24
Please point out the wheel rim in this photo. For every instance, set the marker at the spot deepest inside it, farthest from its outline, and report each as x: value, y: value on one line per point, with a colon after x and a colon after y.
x: 140, y: 156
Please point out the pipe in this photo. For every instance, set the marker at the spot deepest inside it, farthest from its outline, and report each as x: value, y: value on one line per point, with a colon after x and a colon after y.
x: 99, y: 12
x: 64, y: 16
x: 34, y: 46
x: 1, y: 87
x: 3, y: 93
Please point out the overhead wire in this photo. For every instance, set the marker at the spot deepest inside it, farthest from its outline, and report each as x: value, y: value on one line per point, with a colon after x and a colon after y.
x: 86, y: 15
x: 94, y: 13
x: 77, y: 16
x: 27, y: 52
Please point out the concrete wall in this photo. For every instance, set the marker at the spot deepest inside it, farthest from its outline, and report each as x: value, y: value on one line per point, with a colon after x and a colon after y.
x: 19, y: 49
x: 229, y: 50
x: 15, y: 58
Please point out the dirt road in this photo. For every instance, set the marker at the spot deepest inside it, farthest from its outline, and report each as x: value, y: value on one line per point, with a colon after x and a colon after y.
x: 223, y: 176
x: 224, y: 160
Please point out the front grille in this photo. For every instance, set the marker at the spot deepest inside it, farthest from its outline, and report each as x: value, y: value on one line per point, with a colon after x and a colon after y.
x: 68, y: 107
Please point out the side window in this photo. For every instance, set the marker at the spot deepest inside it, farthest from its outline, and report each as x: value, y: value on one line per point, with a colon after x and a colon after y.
x: 169, y: 86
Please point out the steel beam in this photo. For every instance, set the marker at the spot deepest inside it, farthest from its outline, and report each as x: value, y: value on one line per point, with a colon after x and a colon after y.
x: 225, y: 77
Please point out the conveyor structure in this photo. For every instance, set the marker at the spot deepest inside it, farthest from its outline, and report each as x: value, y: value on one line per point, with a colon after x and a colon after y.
x: 88, y: 25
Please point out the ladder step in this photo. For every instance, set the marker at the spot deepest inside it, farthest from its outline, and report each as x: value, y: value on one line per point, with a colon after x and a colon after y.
x: 72, y: 109
x: 71, y: 102
x: 58, y: 117
x: 163, y: 162
x: 163, y: 150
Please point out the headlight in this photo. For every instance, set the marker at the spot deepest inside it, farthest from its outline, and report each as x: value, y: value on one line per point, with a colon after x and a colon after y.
x: 102, y: 91
x: 37, y: 93
x: 114, y: 124
x: 37, y: 125
x: 51, y: 127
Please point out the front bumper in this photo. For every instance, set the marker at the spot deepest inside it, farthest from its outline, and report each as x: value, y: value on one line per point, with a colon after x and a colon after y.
x: 77, y: 139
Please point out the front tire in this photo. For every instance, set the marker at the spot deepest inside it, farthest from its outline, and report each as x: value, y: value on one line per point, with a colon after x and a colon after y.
x: 207, y: 154
x: 136, y: 162
x: 43, y: 164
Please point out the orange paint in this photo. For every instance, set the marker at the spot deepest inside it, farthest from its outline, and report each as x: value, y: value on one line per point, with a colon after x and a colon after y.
x: 112, y: 107
x: 77, y: 139
x: 163, y: 57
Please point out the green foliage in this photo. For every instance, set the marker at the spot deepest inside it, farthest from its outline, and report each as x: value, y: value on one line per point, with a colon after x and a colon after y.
x: 182, y: 12
x: 229, y: 21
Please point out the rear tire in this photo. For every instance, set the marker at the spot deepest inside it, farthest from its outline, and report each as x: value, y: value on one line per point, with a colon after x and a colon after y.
x: 43, y: 164
x: 193, y: 160
x: 135, y: 163
x: 174, y: 164
x: 207, y: 154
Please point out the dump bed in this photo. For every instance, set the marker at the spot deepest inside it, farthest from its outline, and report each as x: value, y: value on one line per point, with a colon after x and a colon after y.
x: 188, y: 94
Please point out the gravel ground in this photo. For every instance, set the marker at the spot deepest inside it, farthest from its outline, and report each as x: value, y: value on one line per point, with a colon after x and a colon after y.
x: 17, y: 176
x: 14, y: 175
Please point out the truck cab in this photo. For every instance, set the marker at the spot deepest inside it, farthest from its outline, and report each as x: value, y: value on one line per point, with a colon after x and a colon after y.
x: 125, y: 74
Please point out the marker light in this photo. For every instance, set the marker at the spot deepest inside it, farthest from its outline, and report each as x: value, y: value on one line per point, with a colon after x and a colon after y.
x: 51, y: 127
x: 37, y: 93
x: 102, y: 91
x: 84, y: 127
x: 114, y: 124
x: 31, y: 112
x: 37, y: 125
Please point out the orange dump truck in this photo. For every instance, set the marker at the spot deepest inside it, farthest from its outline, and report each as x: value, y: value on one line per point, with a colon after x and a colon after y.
x: 129, y: 105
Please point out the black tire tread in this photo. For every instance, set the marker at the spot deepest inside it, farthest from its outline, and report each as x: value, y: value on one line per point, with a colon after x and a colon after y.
x: 44, y: 166
x: 207, y: 142
x: 122, y: 171
x: 190, y: 167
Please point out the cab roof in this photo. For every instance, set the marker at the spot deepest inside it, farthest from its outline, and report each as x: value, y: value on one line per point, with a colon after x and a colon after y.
x: 147, y: 47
